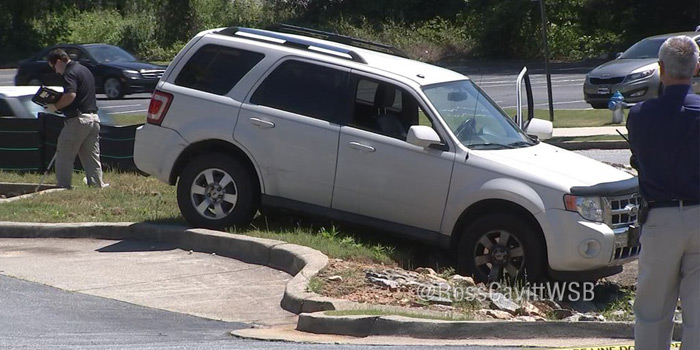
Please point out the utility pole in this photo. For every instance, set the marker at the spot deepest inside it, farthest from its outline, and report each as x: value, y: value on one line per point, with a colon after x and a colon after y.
x: 546, y: 58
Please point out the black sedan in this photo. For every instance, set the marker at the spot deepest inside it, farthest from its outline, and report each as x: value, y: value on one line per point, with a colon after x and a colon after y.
x: 117, y: 72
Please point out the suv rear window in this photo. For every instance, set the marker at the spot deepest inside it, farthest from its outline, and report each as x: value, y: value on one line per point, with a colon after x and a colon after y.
x: 217, y: 69
x: 303, y: 88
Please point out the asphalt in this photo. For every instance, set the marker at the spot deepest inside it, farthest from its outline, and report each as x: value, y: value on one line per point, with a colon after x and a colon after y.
x: 262, y: 282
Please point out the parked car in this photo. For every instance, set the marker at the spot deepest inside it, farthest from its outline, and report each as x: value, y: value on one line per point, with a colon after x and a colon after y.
x: 117, y: 72
x: 16, y: 101
x: 635, y: 73
x: 249, y: 118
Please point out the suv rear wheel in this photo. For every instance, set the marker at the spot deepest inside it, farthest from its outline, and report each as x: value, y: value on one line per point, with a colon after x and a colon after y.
x: 216, y: 191
x: 501, y: 247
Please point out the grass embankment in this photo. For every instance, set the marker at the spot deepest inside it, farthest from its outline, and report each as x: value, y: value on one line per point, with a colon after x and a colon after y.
x: 575, y: 118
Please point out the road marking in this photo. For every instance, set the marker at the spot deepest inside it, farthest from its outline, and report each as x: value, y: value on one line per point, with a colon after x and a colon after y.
x: 119, y: 106
x: 134, y: 111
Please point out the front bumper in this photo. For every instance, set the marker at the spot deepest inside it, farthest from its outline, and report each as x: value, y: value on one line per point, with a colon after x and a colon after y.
x: 134, y: 86
x: 636, y: 91
x: 577, y: 246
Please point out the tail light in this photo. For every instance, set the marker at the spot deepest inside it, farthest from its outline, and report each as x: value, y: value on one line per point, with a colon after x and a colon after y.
x: 160, y: 102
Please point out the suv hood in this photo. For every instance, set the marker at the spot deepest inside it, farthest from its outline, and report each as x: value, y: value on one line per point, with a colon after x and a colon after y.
x: 620, y: 67
x: 135, y: 65
x: 555, y: 167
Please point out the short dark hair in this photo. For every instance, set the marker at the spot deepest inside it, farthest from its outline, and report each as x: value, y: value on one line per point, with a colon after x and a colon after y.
x: 58, y: 54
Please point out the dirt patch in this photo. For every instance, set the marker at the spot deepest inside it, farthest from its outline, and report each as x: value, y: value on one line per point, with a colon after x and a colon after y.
x: 392, y: 286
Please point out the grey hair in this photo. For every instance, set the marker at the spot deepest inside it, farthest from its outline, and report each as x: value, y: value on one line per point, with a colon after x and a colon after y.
x: 680, y: 56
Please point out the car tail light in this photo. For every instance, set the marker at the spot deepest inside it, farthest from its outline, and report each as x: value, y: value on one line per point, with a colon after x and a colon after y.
x: 160, y: 102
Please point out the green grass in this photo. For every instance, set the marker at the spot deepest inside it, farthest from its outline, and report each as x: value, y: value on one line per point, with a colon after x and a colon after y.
x: 574, y: 118
x: 136, y: 198
x: 129, y: 119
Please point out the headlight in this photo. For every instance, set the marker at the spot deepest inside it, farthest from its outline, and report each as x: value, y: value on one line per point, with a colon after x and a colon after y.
x: 131, y: 74
x: 640, y: 75
x: 590, y: 208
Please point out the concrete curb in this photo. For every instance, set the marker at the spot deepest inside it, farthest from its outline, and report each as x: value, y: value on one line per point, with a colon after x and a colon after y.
x: 363, y: 326
x: 584, y: 145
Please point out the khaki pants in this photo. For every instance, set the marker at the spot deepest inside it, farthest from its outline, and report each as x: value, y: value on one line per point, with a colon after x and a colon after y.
x: 669, y: 267
x: 80, y: 136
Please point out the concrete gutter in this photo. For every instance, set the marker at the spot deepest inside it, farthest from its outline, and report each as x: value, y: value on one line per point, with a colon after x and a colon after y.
x: 304, y: 263
x: 584, y: 145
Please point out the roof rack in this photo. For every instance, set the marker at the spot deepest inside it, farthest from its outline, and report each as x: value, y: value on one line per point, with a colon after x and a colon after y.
x: 286, y: 40
x: 343, y: 39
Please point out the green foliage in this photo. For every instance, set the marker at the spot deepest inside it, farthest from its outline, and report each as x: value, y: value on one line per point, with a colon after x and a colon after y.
x: 427, y: 30
x: 102, y: 26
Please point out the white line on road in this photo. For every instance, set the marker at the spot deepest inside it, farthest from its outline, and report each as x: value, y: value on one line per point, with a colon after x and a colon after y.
x: 134, y: 111
x: 119, y: 106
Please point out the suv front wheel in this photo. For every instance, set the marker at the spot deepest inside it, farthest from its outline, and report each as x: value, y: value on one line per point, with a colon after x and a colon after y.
x: 216, y: 191
x: 501, y: 247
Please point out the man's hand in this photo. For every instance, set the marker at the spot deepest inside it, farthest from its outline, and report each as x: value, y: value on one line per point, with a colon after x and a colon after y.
x: 51, y: 108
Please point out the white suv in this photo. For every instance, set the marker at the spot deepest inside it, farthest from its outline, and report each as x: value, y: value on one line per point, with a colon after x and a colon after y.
x: 245, y: 118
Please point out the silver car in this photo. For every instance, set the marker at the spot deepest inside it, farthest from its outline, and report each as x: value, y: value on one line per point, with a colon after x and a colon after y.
x: 635, y: 73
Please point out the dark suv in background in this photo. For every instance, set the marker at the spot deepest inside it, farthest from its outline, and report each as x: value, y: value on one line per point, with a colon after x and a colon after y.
x: 117, y: 72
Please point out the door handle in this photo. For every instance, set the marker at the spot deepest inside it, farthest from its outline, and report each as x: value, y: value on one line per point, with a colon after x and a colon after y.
x: 263, y: 124
x: 361, y: 147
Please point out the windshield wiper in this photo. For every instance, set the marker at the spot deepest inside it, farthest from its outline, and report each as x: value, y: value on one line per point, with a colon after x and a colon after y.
x: 489, y: 145
x: 522, y: 144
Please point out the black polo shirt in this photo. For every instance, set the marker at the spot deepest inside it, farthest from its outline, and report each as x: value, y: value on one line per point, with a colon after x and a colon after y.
x: 77, y: 78
x: 664, y: 135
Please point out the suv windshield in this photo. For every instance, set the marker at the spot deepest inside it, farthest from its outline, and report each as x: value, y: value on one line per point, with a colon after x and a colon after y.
x: 647, y: 48
x: 108, y: 53
x: 474, y: 118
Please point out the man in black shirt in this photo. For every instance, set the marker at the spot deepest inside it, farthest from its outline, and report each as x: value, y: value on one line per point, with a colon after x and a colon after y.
x: 80, y: 134
x: 664, y: 136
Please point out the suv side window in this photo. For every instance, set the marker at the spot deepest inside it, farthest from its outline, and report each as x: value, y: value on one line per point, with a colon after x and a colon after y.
x: 303, y: 88
x: 217, y: 69
x: 386, y: 109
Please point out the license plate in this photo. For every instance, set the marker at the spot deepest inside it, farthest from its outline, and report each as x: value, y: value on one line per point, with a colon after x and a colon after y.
x: 603, y: 90
x: 633, y: 236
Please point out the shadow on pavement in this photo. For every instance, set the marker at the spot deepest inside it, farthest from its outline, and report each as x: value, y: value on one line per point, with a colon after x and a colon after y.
x: 137, y: 246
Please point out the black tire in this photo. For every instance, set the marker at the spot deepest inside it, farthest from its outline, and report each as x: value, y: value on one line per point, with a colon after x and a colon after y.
x: 232, y: 202
x: 35, y: 82
x: 599, y: 105
x: 113, y: 88
x: 520, y: 257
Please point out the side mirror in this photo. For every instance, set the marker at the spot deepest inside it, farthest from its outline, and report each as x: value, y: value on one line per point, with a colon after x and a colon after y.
x: 422, y: 136
x: 540, y: 128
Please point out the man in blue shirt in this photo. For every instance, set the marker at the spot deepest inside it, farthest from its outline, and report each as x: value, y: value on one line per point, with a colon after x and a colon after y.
x: 664, y: 136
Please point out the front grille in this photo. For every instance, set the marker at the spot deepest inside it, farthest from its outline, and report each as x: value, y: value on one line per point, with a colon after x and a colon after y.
x: 623, y: 210
x: 608, y: 81
x: 152, y: 74
x: 626, y: 252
